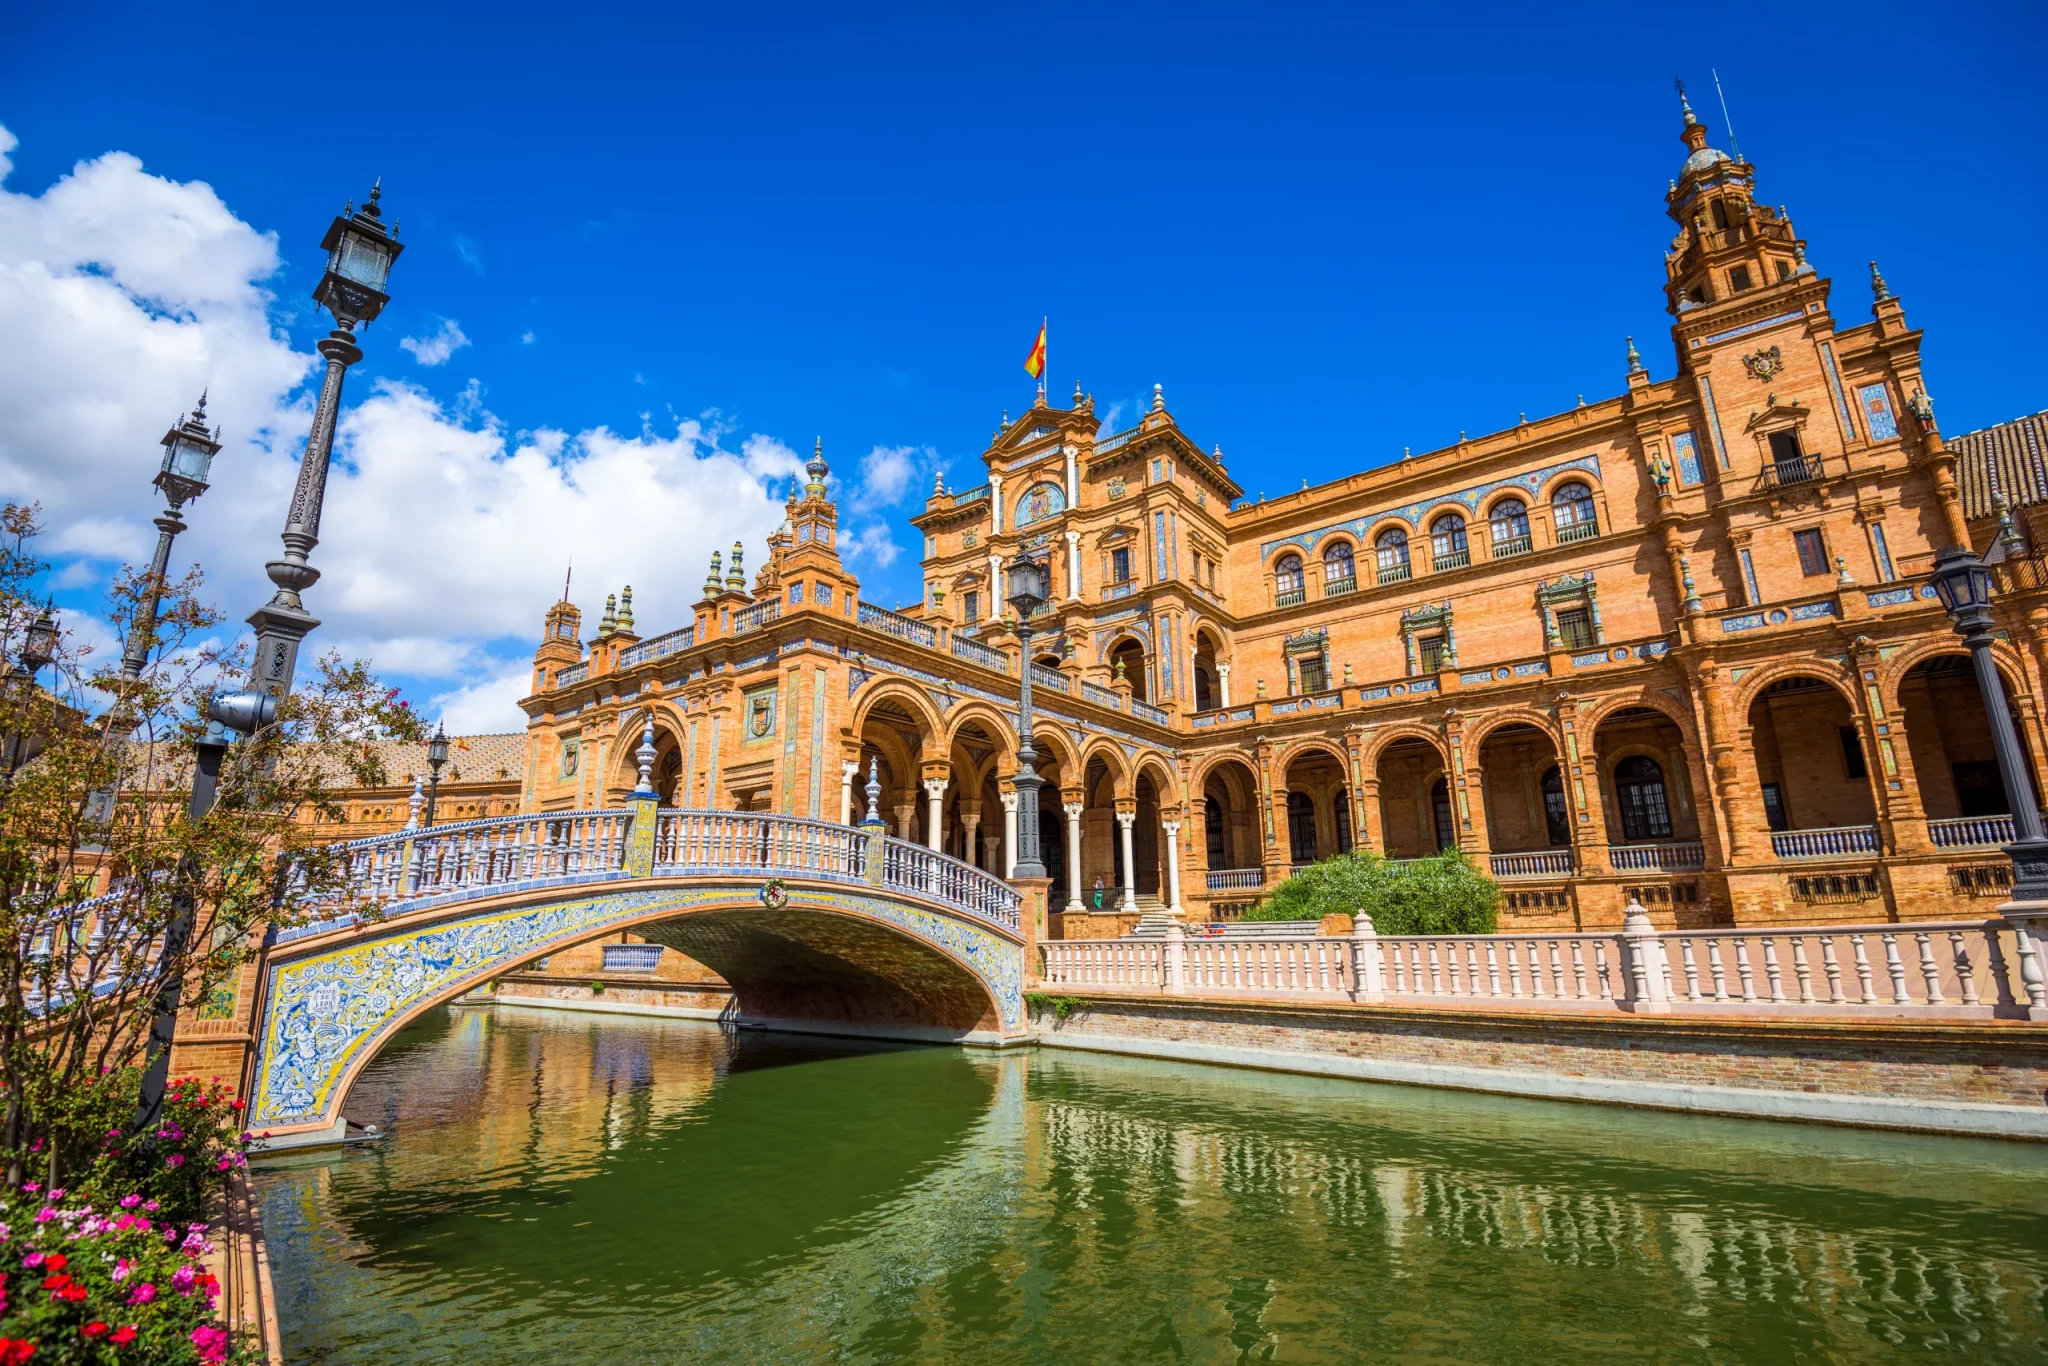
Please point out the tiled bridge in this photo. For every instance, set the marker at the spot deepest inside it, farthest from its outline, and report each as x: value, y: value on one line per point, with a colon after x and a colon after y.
x: 833, y: 925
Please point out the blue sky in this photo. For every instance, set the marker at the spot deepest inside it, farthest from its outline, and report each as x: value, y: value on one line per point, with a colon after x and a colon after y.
x: 1329, y: 233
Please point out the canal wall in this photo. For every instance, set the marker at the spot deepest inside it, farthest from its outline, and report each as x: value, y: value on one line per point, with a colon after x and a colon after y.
x: 622, y: 995
x: 1987, y: 1078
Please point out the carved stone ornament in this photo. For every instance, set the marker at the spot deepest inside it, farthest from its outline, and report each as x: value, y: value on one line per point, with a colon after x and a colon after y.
x: 1764, y: 363
x: 1116, y: 487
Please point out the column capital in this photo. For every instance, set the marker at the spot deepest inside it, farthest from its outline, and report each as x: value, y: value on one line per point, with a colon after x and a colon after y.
x: 1008, y: 799
x: 1073, y: 809
x: 1171, y: 827
x: 1126, y: 818
x: 935, y: 788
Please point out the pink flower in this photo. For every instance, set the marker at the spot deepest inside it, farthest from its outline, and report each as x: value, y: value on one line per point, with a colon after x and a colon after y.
x: 57, y: 1194
x: 142, y: 1294
x: 181, y: 1279
x: 150, y: 1205
x: 211, y: 1341
x: 175, y: 1160
x: 130, y: 1201
x: 31, y: 1187
x: 123, y: 1268
x: 33, y: 1260
x: 45, y: 1215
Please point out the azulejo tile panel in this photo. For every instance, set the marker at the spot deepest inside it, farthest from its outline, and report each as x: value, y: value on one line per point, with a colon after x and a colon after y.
x: 328, y: 1011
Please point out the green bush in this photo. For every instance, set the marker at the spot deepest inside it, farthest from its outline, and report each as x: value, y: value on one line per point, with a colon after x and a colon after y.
x: 1442, y: 894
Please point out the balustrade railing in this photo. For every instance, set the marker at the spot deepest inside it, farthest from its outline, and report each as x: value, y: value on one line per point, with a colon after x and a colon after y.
x: 503, y: 853
x: 1290, y: 597
x: 1680, y: 856
x: 1577, y: 531
x: 755, y: 617
x: 1100, y: 696
x: 1834, y: 842
x: 898, y: 625
x: 1235, y: 879
x: 1394, y: 573
x: 1337, y: 588
x: 1042, y: 677
x: 1451, y: 559
x: 1510, y: 546
x: 976, y: 652
x: 658, y: 647
x: 1944, y: 969
x: 1970, y: 831
x: 572, y: 675
x: 1145, y: 711
x: 1537, y: 863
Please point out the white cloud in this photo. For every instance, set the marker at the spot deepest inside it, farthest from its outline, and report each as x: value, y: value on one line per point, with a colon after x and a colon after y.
x: 886, y: 472
x: 436, y: 350
x: 466, y: 248
x: 526, y: 337
x: 487, y: 704
x: 123, y: 295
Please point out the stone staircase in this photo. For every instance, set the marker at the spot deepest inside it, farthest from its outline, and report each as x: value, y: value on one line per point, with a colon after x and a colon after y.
x: 1153, y: 918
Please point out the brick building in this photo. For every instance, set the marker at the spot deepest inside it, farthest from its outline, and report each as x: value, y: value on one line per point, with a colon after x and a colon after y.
x: 1671, y: 644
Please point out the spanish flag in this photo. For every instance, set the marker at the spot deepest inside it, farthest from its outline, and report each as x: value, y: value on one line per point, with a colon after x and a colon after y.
x: 1034, y: 364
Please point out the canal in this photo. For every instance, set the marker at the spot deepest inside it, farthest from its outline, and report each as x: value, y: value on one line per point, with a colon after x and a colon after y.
x: 563, y: 1188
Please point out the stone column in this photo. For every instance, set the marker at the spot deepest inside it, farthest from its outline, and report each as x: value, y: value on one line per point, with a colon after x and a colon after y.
x: 1172, y: 829
x: 1126, y: 818
x: 1073, y: 807
x: 848, y: 769
x: 1009, y: 800
x: 1073, y: 561
x: 935, y: 812
x: 995, y: 588
x: 906, y: 816
x: 995, y: 506
x: 1073, y: 483
x: 970, y: 818
x: 1223, y: 684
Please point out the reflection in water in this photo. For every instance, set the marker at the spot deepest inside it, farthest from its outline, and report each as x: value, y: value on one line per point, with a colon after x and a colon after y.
x: 616, y: 1190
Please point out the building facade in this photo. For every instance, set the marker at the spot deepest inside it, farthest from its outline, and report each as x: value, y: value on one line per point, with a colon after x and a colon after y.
x: 1671, y: 645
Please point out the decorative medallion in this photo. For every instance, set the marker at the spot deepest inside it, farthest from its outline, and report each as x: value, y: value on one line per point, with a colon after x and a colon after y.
x: 1763, y: 364
x: 1116, y: 487
x: 774, y: 894
x: 969, y: 540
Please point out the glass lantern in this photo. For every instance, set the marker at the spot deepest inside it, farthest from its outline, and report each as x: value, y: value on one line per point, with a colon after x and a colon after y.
x: 359, y: 256
x: 1962, y: 583
x: 188, y: 459
x: 1029, y: 586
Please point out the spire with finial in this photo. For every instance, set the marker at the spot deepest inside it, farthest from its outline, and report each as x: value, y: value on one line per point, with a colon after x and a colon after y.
x: 1635, y: 360
x: 736, y: 577
x: 415, y: 804
x: 938, y: 483
x: 1039, y: 402
x: 376, y: 193
x: 1693, y: 605
x: 1879, y: 290
x: 874, y: 792
x: 711, y: 579
x: 817, y: 469
x: 1158, y: 398
x: 609, y: 622
x: 626, y: 609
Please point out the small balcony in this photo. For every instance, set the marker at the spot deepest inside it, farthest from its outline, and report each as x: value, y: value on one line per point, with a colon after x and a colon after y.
x: 1395, y: 573
x: 1513, y: 546
x: 1840, y: 841
x: 1290, y: 597
x: 1235, y: 879
x: 1678, y: 856
x: 1577, y: 531
x: 1337, y: 588
x: 1455, y: 559
x: 1971, y: 832
x: 1537, y: 863
x: 1794, y: 470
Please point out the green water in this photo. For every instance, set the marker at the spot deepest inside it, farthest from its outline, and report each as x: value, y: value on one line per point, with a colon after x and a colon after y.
x: 568, y: 1189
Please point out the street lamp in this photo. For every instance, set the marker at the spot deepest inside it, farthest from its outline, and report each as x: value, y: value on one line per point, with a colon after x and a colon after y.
x: 360, y: 252
x: 1029, y: 588
x: 38, y: 647
x: 188, y: 457
x: 1963, y: 584
x: 437, y: 755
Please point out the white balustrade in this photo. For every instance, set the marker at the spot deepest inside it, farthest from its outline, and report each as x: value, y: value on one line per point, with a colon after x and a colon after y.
x: 1540, y: 863
x: 1971, y: 831
x: 1931, y: 970
x: 1830, y: 843
x: 1235, y: 879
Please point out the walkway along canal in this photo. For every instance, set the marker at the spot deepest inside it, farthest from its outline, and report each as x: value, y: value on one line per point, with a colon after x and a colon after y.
x: 563, y: 1187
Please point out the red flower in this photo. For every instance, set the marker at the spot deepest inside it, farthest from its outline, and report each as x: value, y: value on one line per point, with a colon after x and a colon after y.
x: 95, y: 1329
x: 56, y: 1262
x: 15, y: 1351
x: 123, y: 1335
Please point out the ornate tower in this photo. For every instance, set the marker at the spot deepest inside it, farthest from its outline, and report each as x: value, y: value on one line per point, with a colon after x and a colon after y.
x: 1728, y: 245
x: 560, y: 644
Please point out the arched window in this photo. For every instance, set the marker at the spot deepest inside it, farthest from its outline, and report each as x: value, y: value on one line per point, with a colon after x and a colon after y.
x: 1639, y: 789
x: 1571, y: 508
x: 1287, y: 588
x: 1301, y: 827
x: 1340, y: 571
x: 1390, y: 548
x: 1447, y: 547
x: 1205, y: 696
x: 1213, y: 833
x: 1557, y: 817
x: 1510, y: 528
x: 1127, y: 661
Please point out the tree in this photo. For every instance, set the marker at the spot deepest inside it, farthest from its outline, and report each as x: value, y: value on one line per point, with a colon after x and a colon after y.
x: 100, y: 807
x: 1441, y: 894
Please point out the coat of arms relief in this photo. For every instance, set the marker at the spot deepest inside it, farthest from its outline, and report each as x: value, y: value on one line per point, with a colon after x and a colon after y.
x: 1764, y: 363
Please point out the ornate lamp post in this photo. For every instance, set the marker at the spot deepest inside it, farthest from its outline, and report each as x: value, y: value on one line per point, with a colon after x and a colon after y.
x: 437, y: 755
x: 188, y: 457
x: 38, y: 647
x: 359, y: 256
x: 1964, y: 585
x: 1029, y: 588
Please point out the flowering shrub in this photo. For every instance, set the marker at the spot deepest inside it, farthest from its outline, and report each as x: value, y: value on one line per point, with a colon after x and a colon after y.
x: 179, y: 1164
x: 117, y: 1282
